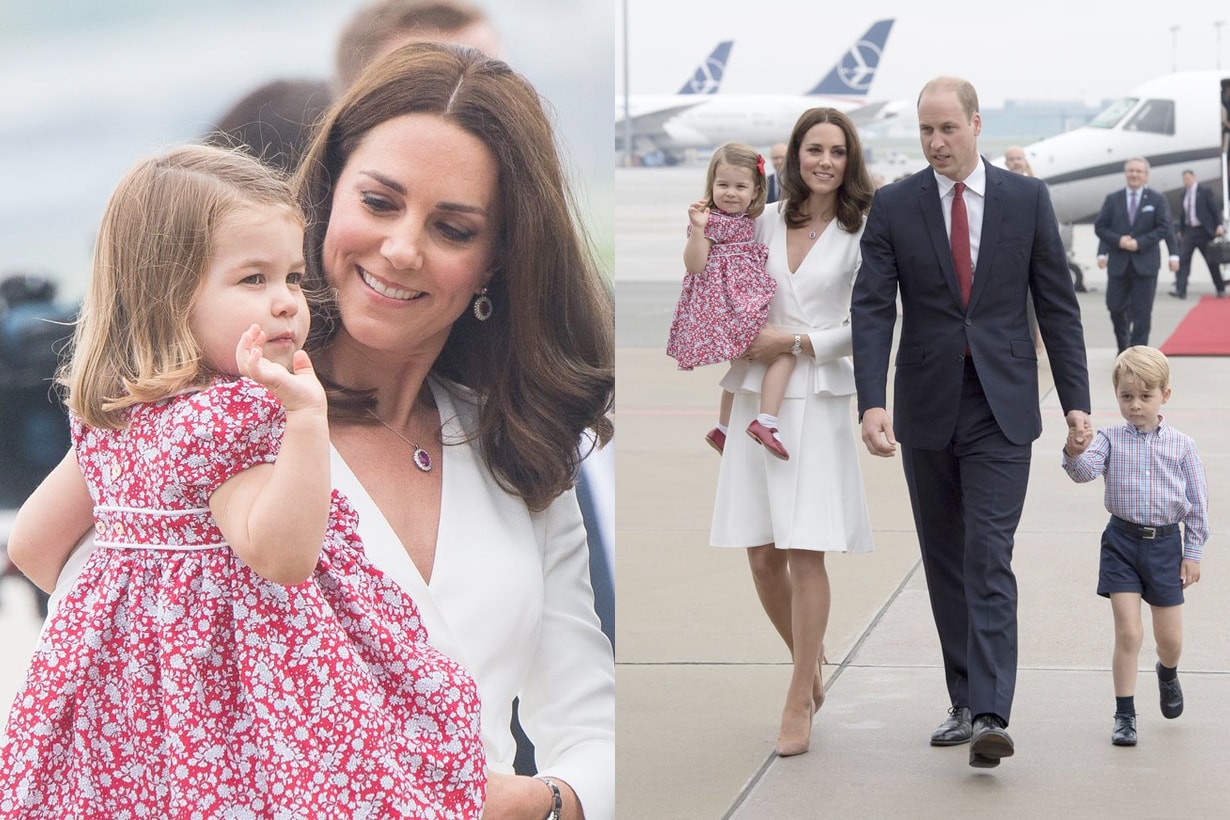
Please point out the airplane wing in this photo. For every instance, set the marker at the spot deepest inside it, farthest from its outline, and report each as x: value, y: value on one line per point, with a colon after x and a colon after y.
x: 867, y: 114
x: 653, y: 121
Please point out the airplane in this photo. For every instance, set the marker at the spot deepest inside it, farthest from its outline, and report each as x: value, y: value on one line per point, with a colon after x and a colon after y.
x: 668, y: 125
x: 1173, y: 121
x: 708, y: 76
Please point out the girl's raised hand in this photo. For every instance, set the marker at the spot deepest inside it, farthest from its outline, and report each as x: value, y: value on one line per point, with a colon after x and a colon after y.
x: 698, y: 214
x: 297, y: 388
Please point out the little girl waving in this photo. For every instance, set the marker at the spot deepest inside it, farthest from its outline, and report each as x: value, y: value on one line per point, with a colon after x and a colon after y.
x: 227, y: 651
x: 725, y: 298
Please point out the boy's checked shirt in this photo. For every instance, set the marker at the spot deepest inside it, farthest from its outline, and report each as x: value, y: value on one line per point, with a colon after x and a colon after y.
x: 1153, y: 479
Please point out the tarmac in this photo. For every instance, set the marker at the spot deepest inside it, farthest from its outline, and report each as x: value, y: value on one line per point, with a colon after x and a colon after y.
x: 701, y: 675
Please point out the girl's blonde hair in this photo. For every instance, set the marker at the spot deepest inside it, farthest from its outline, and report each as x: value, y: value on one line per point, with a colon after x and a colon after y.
x: 133, y: 343
x: 1148, y: 365
x: 738, y: 155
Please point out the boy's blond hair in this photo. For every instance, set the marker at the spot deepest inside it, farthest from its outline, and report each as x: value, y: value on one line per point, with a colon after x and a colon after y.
x: 1148, y: 365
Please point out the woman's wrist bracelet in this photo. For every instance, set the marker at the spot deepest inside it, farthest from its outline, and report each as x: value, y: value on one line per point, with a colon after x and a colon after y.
x: 557, y: 800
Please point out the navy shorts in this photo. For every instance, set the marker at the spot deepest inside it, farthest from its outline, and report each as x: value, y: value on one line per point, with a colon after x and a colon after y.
x: 1133, y: 562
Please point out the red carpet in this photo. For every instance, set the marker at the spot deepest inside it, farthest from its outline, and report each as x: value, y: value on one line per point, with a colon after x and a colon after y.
x: 1204, y: 331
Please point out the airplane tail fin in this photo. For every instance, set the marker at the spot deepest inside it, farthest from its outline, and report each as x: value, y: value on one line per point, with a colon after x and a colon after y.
x: 852, y: 75
x: 708, y: 76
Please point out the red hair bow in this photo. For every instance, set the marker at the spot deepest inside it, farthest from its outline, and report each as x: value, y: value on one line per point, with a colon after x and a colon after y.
x: 760, y: 164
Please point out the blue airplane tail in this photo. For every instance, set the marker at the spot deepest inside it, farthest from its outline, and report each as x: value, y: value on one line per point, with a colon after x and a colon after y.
x: 852, y: 75
x: 708, y: 76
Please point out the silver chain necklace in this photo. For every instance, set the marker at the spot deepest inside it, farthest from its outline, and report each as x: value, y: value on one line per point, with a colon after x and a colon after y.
x: 421, y: 458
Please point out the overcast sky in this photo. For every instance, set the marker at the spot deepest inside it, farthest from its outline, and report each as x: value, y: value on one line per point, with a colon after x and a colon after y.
x: 1042, y: 49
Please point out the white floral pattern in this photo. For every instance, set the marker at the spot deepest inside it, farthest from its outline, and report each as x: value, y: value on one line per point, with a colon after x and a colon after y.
x: 173, y: 681
x: 722, y: 308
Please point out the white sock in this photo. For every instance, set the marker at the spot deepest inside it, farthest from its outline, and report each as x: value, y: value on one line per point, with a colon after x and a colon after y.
x: 770, y: 422
x: 721, y: 428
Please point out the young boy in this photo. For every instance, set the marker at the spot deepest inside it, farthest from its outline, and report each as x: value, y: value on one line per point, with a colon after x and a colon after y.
x: 1154, y: 481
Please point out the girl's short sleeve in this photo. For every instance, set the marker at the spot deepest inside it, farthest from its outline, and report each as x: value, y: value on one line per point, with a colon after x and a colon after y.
x: 222, y: 431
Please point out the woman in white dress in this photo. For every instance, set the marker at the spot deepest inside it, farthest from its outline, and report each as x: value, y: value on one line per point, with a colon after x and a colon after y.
x: 788, y: 514
x: 471, y: 350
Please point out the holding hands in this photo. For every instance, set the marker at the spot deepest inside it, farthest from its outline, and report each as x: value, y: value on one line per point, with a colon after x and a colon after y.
x: 1080, y: 433
x: 296, y: 385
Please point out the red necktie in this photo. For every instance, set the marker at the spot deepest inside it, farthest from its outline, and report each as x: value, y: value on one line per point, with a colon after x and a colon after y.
x: 959, y: 241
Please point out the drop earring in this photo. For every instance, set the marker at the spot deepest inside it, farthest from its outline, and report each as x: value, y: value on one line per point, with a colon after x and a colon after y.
x: 482, y: 306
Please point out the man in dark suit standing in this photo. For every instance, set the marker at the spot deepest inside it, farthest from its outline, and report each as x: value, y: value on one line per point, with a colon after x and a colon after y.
x: 777, y: 156
x: 966, y: 386
x: 1198, y: 224
x: 1130, y: 228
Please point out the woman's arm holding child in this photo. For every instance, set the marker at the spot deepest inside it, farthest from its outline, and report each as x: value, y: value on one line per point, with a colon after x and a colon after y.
x: 274, y: 515
x: 49, y: 524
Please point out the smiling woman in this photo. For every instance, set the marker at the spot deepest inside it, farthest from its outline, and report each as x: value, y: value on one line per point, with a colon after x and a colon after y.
x: 470, y: 322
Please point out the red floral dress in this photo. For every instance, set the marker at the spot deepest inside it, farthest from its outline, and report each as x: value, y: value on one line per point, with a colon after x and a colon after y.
x: 722, y: 308
x: 175, y: 682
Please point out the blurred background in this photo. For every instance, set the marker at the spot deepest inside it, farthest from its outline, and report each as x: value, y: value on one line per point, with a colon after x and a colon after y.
x: 88, y: 88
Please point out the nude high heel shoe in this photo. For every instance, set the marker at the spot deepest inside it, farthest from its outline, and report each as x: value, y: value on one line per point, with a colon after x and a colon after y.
x: 794, y: 737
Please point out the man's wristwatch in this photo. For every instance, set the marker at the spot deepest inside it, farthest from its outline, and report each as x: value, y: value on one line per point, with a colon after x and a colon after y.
x: 557, y: 800
x: 797, y: 347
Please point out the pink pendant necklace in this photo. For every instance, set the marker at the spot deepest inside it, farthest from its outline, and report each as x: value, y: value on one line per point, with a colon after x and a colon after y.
x: 421, y: 458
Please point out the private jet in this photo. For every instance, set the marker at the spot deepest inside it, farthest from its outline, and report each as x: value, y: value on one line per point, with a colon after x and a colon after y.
x: 1173, y: 121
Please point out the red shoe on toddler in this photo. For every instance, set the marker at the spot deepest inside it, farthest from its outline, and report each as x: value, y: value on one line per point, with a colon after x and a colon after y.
x: 717, y: 440
x: 768, y: 437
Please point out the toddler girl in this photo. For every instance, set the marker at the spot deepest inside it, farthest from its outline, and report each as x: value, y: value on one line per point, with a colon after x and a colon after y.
x: 725, y: 298
x: 227, y: 650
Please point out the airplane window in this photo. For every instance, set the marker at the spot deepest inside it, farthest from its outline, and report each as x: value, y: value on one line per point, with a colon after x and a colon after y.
x: 1154, y: 117
x: 1109, y: 117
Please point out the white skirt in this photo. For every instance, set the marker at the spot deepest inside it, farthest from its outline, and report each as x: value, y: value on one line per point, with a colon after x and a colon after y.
x: 813, y: 501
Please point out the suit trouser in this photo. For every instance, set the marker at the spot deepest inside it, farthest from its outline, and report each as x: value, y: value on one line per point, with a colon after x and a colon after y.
x: 967, y: 501
x: 1194, y: 239
x: 1129, y: 298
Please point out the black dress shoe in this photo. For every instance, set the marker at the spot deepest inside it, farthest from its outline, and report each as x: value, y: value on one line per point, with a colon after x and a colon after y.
x: 989, y: 743
x: 955, y: 730
x: 1177, y: 295
x: 1171, y: 694
x: 1125, y: 730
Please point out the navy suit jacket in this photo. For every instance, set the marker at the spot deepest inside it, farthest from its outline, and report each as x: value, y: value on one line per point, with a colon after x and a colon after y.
x: 905, y: 248
x: 1206, y: 211
x: 1152, y: 226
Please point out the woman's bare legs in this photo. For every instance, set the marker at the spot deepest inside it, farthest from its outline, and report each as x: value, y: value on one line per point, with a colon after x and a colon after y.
x: 728, y: 400
x: 771, y: 575
x: 793, y: 587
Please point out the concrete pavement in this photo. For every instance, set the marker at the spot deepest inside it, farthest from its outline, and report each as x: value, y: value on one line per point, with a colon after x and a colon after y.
x: 701, y: 675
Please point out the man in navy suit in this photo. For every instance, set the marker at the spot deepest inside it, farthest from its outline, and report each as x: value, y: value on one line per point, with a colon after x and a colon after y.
x: 777, y: 156
x: 1130, y: 228
x: 1198, y: 224
x: 966, y: 386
